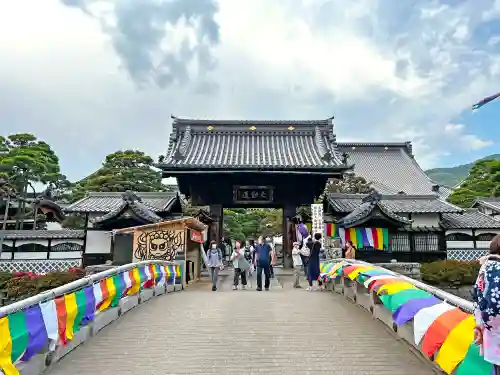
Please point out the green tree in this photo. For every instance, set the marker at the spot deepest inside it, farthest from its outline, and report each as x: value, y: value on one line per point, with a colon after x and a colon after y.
x: 350, y: 184
x: 483, y: 181
x: 121, y: 171
x: 25, y: 160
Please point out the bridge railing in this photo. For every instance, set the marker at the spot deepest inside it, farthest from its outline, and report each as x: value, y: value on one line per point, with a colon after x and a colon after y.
x: 436, y: 324
x: 38, y: 331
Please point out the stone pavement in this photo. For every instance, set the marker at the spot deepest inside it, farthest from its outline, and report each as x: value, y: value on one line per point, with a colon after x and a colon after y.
x: 283, y: 331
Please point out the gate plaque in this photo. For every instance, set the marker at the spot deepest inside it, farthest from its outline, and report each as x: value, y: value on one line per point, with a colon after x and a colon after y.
x: 253, y: 194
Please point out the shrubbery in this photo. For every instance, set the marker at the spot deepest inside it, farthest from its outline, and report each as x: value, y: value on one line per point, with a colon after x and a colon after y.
x: 26, y: 284
x: 450, y: 273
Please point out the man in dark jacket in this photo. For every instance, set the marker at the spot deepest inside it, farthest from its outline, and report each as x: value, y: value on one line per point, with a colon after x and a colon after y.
x: 263, y: 262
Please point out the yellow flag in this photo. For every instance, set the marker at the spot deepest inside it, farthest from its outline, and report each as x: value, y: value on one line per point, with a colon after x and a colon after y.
x: 357, y: 271
x: 71, y: 311
x: 395, y: 287
x: 6, y: 348
x: 456, y: 345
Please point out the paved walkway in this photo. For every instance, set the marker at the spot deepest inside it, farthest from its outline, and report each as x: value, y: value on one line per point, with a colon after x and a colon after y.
x: 283, y: 331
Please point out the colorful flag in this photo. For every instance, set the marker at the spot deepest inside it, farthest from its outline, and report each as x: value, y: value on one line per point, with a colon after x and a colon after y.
x: 71, y: 312
x: 456, y: 345
x: 396, y: 300
x: 407, y: 311
x: 120, y: 288
x: 440, y: 329
x: 90, y: 305
x: 393, y: 288
x: 377, y: 238
x: 49, y: 314
x: 108, y: 290
x: 425, y: 317
x: 377, y: 278
x: 6, y: 348
x: 61, y: 319
x: 136, y: 282
x: 331, y: 230
x: 37, y: 335
x: 485, y: 101
x: 474, y: 363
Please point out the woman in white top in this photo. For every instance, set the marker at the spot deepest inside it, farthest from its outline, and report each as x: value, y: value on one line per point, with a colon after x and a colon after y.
x: 241, y: 266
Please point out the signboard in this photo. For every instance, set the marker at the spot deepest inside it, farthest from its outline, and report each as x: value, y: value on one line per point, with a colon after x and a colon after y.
x: 317, y: 221
x: 253, y: 194
x: 196, y: 237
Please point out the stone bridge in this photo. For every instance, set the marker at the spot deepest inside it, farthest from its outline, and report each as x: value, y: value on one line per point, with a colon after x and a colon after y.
x: 128, y: 320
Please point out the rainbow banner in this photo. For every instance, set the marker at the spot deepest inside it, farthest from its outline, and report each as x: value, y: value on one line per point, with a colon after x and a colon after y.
x: 331, y: 230
x: 24, y: 334
x: 378, y: 238
x: 445, y: 332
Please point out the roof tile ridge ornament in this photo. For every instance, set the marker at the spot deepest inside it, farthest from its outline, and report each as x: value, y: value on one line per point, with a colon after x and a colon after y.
x: 318, y: 138
x: 130, y: 197
x: 374, y: 197
x: 180, y: 152
x: 409, y: 147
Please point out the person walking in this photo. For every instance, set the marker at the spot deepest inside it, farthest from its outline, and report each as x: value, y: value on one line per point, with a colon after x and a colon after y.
x: 486, y: 306
x: 272, y: 256
x: 214, y: 263
x: 313, y: 269
x: 262, y: 260
x: 297, y: 264
x: 240, y: 265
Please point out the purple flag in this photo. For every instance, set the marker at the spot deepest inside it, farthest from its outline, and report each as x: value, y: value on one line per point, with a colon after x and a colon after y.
x: 37, y: 334
x: 408, y: 311
x: 89, y: 305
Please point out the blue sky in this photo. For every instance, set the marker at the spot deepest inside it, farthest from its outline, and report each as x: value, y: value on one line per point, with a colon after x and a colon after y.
x: 94, y: 76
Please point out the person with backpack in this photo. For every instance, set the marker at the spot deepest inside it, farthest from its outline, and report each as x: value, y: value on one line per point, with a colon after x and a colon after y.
x: 214, y: 263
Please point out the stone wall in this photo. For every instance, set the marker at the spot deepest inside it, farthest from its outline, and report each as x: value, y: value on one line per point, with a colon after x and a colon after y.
x: 407, y: 269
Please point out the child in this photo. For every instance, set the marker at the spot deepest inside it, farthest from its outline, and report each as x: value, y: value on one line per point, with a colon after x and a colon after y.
x: 297, y: 263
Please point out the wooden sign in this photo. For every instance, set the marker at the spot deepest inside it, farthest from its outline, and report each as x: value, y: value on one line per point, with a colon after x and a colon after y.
x: 253, y: 194
x: 196, y: 236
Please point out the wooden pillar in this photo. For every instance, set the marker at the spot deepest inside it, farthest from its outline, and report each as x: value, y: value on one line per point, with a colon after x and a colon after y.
x: 289, y: 212
x: 216, y: 228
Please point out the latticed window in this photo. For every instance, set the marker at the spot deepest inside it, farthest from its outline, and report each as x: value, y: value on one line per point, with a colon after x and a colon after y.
x: 459, y: 237
x: 399, y: 242
x: 485, y: 236
x: 66, y: 246
x: 31, y: 247
x: 426, y: 242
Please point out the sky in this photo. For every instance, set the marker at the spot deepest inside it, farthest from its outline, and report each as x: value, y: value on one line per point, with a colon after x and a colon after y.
x: 94, y: 76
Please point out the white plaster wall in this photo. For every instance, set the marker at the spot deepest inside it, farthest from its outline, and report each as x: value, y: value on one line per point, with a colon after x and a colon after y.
x: 31, y: 255
x: 54, y: 226
x: 464, y: 231
x: 66, y: 255
x: 98, y: 242
x: 459, y: 244
x: 425, y: 220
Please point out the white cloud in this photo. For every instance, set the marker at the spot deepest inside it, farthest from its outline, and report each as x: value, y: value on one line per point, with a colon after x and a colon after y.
x: 387, y: 72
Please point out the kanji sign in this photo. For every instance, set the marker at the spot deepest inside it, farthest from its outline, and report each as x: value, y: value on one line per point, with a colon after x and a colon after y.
x: 253, y: 194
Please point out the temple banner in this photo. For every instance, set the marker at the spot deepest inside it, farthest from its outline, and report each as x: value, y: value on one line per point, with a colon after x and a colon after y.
x: 317, y: 220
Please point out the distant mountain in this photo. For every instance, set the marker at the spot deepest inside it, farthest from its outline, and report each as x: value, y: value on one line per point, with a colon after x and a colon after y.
x: 454, y: 175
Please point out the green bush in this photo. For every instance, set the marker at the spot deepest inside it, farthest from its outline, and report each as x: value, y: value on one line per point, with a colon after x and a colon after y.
x: 450, y: 272
x: 23, y: 286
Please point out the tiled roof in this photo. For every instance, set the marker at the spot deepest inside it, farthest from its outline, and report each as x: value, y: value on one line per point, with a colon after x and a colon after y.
x: 364, y: 211
x: 344, y: 203
x: 102, y: 203
x: 252, y: 145
x: 470, y: 219
x: 490, y: 202
x: 133, y: 203
x: 42, y: 234
x: 390, y: 166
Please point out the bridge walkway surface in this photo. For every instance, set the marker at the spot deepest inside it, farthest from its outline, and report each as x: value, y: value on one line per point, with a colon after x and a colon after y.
x: 283, y: 331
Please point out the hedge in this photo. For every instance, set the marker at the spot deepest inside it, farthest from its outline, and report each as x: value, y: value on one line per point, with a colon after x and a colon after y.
x: 20, y: 285
x: 450, y: 273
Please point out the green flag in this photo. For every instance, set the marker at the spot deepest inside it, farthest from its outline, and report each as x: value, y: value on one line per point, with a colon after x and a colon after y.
x: 396, y: 300
x: 19, y: 334
x: 474, y: 364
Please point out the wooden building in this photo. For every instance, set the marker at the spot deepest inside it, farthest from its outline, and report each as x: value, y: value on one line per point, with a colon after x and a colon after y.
x: 105, y: 212
x: 489, y: 206
x: 178, y: 240
x: 279, y: 164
